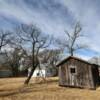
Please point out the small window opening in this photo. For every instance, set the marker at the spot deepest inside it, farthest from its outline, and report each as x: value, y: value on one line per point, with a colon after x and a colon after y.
x: 72, y: 70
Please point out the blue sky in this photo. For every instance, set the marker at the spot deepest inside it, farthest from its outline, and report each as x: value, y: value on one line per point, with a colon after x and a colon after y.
x: 55, y: 16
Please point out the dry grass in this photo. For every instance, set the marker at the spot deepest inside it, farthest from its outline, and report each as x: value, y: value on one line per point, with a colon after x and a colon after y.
x: 14, y: 89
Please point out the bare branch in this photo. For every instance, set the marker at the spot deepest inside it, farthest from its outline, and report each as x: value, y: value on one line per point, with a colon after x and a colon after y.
x: 5, y: 38
x: 71, y: 40
x: 38, y: 41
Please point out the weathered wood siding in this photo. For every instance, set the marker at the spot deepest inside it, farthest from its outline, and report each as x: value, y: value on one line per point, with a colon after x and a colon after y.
x: 83, y: 76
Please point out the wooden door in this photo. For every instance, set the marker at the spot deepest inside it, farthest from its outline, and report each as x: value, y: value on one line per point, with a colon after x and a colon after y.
x: 72, y: 74
x: 72, y: 79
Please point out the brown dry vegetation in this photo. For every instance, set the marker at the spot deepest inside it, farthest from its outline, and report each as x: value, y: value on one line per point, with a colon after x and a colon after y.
x: 14, y: 89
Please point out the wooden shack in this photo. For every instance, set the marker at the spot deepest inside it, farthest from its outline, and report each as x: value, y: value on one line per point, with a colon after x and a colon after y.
x: 75, y: 72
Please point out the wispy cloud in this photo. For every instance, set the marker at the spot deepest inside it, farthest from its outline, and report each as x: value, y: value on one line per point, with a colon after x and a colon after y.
x: 54, y: 16
x: 50, y: 15
x: 87, y: 12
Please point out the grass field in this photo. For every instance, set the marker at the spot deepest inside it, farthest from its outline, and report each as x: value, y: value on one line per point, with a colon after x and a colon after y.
x: 14, y: 89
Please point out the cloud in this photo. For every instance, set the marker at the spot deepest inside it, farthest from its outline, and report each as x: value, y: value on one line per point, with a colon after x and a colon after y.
x: 54, y: 16
x: 87, y: 12
x: 51, y: 16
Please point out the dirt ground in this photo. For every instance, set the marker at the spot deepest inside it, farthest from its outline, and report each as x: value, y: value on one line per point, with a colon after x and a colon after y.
x: 38, y: 89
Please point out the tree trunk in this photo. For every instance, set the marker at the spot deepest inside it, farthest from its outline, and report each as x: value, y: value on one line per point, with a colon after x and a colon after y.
x: 71, y: 53
x: 33, y: 66
x: 30, y: 75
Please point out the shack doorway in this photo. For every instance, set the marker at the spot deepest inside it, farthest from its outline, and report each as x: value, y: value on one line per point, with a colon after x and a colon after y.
x: 72, y: 74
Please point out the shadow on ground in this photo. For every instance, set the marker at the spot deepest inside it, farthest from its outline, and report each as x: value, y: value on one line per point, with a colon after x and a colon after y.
x: 33, y: 87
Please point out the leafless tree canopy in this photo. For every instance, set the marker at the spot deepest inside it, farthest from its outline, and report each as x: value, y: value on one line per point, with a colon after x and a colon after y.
x: 5, y: 38
x: 71, y: 39
x: 30, y: 34
x: 50, y: 57
x: 13, y: 59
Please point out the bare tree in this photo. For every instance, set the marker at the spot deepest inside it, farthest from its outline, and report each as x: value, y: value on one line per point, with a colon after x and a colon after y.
x: 13, y: 59
x: 4, y: 38
x: 50, y: 57
x: 71, y: 39
x: 32, y: 36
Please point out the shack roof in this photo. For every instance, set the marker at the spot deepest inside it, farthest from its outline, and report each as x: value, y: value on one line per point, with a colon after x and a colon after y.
x: 72, y: 57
